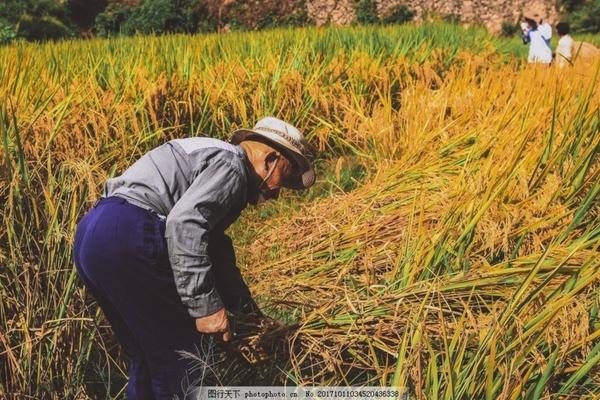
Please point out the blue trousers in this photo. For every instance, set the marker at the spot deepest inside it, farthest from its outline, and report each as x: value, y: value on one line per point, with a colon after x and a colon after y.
x: 121, y: 256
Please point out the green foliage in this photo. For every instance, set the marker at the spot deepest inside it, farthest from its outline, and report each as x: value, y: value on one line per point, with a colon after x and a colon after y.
x: 153, y: 16
x: 206, y: 24
x: 572, y: 5
x: 60, y: 18
x: 509, y: 28
x: 7, y: 32
x: 43, y: 28
x: 585, y: 18
x: 235, y: 25
x: 54, y: 8
x: 399, y: 15
x: 11, y: 10
x: 366, y: 13
x: 187, y: 16
x: 34, y: 20
x: 268, y: 20
x: 111, y: 20
x: 71, y: 13
x: 246, y: 16
x: 272, y: 20
x: 297, y: 19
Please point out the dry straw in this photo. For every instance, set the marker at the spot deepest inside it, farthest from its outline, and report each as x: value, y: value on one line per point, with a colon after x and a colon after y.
x: 467, y: 265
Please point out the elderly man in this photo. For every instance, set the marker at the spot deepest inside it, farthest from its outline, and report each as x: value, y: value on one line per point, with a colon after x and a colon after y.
x: 153, y: 251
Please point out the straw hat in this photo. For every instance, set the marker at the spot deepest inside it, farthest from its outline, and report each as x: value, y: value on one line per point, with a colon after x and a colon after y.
x: 288, y: 140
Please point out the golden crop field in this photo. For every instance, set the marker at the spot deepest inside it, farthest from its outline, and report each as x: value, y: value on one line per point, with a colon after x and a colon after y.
x: 449, y: 247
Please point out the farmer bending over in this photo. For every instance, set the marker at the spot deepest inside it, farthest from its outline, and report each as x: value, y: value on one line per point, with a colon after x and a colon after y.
x: 153, y: 252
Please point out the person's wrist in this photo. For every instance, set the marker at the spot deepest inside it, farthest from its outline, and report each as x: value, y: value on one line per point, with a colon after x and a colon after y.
x: 218, y: 310
x: 216, y: 323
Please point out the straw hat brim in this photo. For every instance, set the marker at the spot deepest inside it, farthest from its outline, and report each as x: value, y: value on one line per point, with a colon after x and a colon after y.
x: 306, y: 176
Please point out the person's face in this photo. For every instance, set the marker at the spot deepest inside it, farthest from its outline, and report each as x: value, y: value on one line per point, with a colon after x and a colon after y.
x: 274, y: 172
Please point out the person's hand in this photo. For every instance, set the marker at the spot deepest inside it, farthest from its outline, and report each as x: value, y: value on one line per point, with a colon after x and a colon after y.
x: 215, y: 323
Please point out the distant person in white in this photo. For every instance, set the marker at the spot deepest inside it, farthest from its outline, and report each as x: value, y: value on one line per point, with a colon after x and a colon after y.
x: 544, y: 28
x: 564, y: 50
x: 539, y: 47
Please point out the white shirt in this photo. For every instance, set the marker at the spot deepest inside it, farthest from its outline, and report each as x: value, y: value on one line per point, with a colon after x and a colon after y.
x: 546, y: 31
x: 564, y: 50
x: 539, y: 49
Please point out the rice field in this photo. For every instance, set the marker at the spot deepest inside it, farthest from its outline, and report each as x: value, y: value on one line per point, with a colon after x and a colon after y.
x: 449, y: 247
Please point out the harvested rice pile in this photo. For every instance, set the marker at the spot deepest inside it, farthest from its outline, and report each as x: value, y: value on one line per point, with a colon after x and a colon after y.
x: 467, y: 264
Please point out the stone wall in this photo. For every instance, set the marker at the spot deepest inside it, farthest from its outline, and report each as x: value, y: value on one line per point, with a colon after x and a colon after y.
x: 490, y: 13
x: 337, y: 12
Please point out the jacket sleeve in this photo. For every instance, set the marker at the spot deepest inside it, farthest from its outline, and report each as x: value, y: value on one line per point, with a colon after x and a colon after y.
x: 214, y: 193
x: 229, y: 281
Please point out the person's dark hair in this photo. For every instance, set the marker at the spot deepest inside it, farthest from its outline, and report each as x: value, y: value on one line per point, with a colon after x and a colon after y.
x: 531, y: 22
x: 563, y: 28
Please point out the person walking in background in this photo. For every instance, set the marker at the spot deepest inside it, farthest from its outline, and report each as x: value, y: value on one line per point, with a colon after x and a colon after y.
x: 570, y: 51
x: 564, y: 50
x: 539, y: 49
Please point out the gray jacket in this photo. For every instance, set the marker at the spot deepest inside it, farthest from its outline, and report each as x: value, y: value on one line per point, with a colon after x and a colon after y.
x: 199, y: 186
